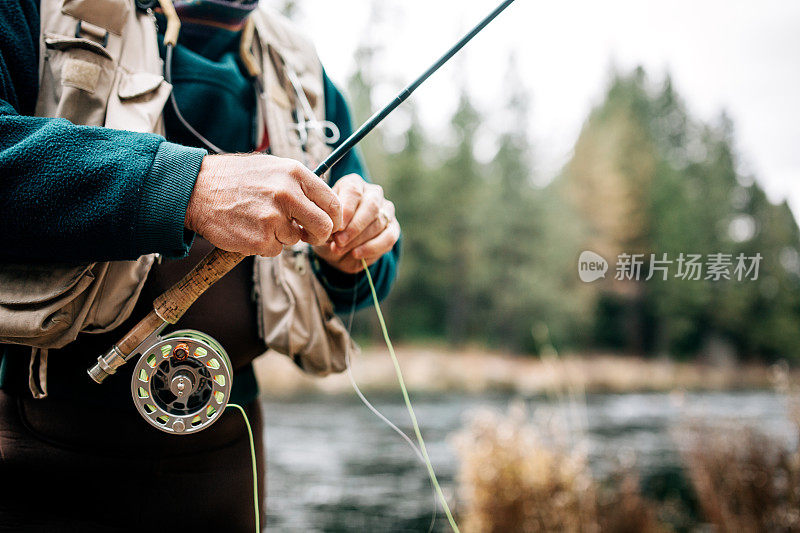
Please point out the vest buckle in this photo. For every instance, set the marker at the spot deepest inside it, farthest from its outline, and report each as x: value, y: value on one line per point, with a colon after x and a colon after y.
x: 80, y: 29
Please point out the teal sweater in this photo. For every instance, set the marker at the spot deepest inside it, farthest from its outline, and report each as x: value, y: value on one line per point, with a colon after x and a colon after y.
x: 79, y: 194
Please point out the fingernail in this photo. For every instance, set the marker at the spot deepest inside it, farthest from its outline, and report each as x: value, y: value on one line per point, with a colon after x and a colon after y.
x: 341, y: 239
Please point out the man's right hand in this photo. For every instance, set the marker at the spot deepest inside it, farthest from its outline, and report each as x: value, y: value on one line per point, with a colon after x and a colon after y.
x: 255, y: 204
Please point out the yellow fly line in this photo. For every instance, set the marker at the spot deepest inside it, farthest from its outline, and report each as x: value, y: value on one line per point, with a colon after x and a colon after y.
x: 400, y: 380
x: 253, y: 460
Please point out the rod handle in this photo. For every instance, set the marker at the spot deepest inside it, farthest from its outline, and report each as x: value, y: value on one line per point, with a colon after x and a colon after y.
x: 171, y: 305
x: 108, y: 363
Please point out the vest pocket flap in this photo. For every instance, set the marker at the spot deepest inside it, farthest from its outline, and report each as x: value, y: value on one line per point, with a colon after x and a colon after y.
x: 107, y: 14
x: 137, y: 101
x: 62, y: 42
x: 39, y: 284
x: 136, y: 84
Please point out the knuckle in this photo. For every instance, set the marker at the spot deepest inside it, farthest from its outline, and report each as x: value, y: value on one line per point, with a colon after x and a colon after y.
x: 282, y: 195
x: 296, y: 170
x: 335, y: 204
x: 373, y: 208
x: 270, y: 219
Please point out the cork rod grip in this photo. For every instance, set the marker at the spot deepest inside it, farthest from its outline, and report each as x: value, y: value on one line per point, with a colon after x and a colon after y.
x: 171, y: 305
x: 139, y: 333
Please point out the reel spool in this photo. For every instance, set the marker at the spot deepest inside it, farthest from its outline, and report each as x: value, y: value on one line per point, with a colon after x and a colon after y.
x: 182, y: 382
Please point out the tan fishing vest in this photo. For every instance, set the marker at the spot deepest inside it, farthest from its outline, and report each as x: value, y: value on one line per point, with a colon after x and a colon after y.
x: 100, y: 66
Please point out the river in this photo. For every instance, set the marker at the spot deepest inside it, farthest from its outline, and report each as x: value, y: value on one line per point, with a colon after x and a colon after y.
x: 333, y: 466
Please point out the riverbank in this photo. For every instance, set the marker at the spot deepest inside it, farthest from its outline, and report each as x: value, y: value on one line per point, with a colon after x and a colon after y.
x: 434, y: 369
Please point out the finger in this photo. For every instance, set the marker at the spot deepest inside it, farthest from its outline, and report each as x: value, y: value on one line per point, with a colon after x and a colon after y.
x: 368, y: 208
x: 316, y: 190
x: 270, y: 248
x: 384, y: 218
x: 349, y: 192
x: 372, y: 231
x: 380, y: 244
x: 316, y: 224
x: 324, y: 252
x: 289, y: 233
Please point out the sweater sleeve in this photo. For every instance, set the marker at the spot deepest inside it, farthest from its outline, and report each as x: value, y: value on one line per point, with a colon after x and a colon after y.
x: 78, y: 193
x: 345, y: 289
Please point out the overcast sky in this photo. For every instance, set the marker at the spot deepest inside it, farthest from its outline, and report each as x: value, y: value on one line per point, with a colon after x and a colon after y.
x: 740, y: 56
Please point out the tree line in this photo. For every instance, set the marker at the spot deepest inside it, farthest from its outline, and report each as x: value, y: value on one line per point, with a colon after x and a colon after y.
x: 490, y: 257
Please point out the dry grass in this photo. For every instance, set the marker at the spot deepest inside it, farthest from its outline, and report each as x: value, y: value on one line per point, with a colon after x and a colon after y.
x: 512, y: 478
x: 521, y: 477
x: 745, y: 481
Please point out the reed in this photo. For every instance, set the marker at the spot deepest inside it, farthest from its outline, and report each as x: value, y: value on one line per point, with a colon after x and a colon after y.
x: 515, y: 478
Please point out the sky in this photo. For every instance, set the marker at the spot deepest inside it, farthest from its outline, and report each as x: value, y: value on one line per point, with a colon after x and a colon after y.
x: 742, y: 57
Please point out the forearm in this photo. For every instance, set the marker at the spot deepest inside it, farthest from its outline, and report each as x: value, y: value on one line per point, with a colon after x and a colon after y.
x: 76, y: 193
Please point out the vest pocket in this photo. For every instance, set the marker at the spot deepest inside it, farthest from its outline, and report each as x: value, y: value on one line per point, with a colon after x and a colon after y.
x: 76, y: 80
x: 47, y: 305
x: 39, y: 304
x: 137, y: 100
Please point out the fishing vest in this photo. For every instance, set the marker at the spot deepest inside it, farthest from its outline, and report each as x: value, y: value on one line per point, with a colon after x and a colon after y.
x: 100, y: 66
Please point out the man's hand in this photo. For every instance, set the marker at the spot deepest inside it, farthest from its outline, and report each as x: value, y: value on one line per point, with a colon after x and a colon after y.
x: 370, y: 228
x: 256, y: 204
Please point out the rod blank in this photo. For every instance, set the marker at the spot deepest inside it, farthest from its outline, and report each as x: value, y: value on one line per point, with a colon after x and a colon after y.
x: 376, y: 119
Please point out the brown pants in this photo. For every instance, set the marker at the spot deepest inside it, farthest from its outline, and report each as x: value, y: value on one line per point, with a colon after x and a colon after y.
x: 70, y: 466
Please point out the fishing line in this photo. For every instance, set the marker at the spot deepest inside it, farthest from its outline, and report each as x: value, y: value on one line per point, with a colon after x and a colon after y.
x: 253, y: 460
x: 400, y: 380
x: 368, y: 404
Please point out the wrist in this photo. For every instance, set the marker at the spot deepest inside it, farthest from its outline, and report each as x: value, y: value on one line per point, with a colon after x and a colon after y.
x: 199, y: 201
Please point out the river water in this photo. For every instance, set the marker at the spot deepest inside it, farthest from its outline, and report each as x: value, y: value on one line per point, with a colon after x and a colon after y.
x: 333, y: 466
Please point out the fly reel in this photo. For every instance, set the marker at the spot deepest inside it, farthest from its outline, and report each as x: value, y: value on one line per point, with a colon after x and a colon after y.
x: 182, y: 382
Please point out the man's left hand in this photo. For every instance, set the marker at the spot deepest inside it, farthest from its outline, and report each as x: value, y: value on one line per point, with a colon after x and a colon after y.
x: 370, y: 227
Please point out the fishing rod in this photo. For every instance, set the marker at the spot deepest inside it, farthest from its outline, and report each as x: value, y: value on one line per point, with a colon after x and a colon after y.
x: 182, y: 380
